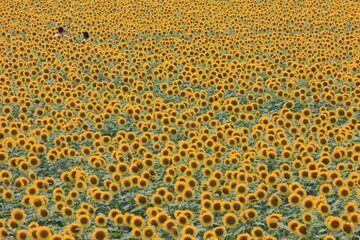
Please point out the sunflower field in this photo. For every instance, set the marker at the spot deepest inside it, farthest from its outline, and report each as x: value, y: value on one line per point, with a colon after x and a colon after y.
x: 180, y: 119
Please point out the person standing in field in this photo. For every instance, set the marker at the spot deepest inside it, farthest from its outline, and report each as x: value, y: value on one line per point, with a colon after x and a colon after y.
x: 63, y: 32
x: 86, y: 36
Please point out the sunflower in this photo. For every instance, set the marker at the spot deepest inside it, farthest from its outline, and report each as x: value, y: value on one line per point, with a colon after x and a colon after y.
x: 188, y: 194
x: 157, y: 200
x: 100, y: 221
x: 34, y: 162
x: 226, y: 206
x: 119, y: 220
x: 142, y: 183
x: 113, y: 213
x: 137, y: 222
x: 354, y: 218
x: 187, y: 237
x: 18, y: 215
x: 3, y: 233
x: 292, y: 225
x: 207, y: 219
x: 162, y: 217
x: 95, y: 193
x: 12, y: 224
x: 82, y: 211
x: 190, y: 230
x: 251, y: 199
x: 179, y: 187
x: 84, y: 220
x: 73, y: 194
x: 153, y: 222
x: 236, y: 206
x: 106, y: 196
x: 257, y: 233
x: 251, y: 214
x: 126, y: 183
x: 272, y: 179
x: 334, y: 223
x: 329, y: 237
x: 125, y: 148
x: 308, y: 203
x: 268, y: 237
x: 244, y: 236
x: 100, y: 234
x: 301, y: 192
x: 21, y: 235
x: 74, y: 229
x: 220, y: 231
x: 301, y: 230
x: 56, y: 237
x: 136, y: 233
x: 344, y: 192
x: 272, y: 223
x: 8, y: 195
x: 348, y: 228
x: 182, y: 220
x: 338, y: 182
x: 148, y: 233
x: 43, y: 213
x: 59, y: 206
x: 213, y: 183
x: 242, y: 188
x: 230, y: 220
x: 283, y: 188
x: 307, y: 217
x: 3, y: 157
x: 93, y: 180
x: 209, y: 235
x: 43, y: 233
x: 169, y: 225
x: 33, y: 232
x: 294, y: 199
x: 67, y: 212
x: 274, y: 201
x: 325, y: 189
x: 37, y: 201
x: 351, y: 207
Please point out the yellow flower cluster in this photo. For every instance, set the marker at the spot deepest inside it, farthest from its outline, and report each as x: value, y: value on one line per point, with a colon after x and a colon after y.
x: 180, y: 119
